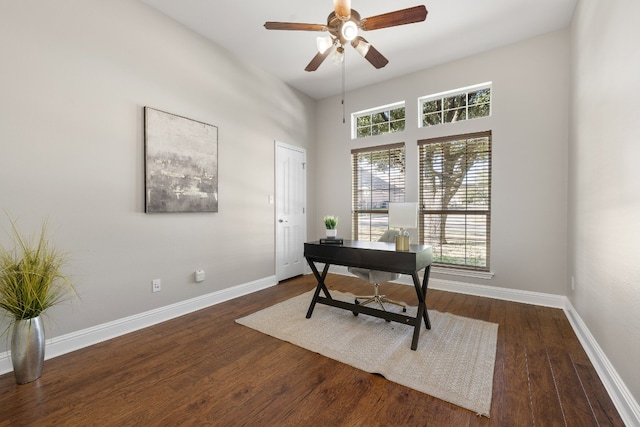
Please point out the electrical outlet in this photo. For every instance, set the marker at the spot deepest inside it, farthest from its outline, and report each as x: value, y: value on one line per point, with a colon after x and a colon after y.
x: 155, y: 285
x: 199, y: 275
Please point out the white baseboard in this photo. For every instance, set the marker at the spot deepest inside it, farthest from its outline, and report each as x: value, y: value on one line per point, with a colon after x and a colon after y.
x: 625, y: 403
x: 63, y: 344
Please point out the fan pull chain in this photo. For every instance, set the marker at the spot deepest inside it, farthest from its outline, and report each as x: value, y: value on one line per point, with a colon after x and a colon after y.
x: 344, y: 59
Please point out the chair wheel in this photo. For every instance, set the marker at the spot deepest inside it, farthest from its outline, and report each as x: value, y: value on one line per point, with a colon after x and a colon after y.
x: 355, y: 313
x: 404, y: 309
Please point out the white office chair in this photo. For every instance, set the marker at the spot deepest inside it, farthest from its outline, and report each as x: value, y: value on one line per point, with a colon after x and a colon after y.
x: 375, y: 277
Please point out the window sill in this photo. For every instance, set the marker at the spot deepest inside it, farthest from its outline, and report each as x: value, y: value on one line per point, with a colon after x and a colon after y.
x: 487, y: 275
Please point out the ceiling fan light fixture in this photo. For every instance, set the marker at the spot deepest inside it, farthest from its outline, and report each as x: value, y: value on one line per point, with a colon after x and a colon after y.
x: 338, y: 56
x: 349, y: 30
x: 361, y: 46
x: 324, y: 43
x: 342, y: 9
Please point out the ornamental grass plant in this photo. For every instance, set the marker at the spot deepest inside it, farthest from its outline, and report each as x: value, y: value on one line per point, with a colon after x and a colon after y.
x: 31, y: 277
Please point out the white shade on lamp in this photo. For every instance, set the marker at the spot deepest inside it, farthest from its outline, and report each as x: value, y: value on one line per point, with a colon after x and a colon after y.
x: 403, y: 216
x: 323, y: 43
x: 361, y: 46
x: 338, y: 55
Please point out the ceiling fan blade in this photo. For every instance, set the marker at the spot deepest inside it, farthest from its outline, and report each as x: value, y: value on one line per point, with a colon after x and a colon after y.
x: 317, y: 60
x: 369, y: 52
x: 294, y: 26
x: 393, y: 19
x: 376, y: 58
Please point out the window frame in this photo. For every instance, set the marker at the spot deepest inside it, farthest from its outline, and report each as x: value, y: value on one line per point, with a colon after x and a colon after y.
x: 460, y: 211
x: 453, y: 93
x: 372, y: 111
x: 396, y: 179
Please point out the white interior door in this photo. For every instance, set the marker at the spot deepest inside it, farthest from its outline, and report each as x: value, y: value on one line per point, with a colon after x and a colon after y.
x: 291, y: 200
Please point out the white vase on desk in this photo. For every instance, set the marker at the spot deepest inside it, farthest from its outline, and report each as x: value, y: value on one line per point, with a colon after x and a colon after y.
x: 332, y: 233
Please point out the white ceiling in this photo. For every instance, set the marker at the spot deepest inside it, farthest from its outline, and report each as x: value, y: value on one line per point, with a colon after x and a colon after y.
x: 453, y: 29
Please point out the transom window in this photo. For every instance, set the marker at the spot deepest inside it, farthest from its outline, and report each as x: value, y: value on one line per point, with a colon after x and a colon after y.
x: 378, y: 121
x: 378, y: 177
x: 455, y: 199
x: 457, y: 105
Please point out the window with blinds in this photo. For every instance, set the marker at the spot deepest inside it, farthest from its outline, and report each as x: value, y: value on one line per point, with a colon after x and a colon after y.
x: 378, y: 177
x: 455, y: 199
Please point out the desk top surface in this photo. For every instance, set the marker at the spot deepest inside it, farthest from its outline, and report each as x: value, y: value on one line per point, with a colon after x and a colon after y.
x: 377, y: 246
x: 372, y: 255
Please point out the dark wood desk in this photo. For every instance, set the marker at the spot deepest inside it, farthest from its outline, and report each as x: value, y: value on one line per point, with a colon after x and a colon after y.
x: 374, y: 256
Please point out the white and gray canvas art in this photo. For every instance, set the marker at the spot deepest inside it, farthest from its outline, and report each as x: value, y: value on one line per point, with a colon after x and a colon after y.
x: 181, y: 166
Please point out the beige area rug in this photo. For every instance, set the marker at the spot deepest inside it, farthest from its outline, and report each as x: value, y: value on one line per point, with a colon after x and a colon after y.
x: 454, y: 360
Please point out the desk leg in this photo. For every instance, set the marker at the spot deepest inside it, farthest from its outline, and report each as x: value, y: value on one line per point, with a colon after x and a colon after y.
x: 425, y: 284
x: 423, y: 314
x: 321, y: 285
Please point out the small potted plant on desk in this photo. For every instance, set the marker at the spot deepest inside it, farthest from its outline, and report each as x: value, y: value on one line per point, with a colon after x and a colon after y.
x: 31, y: 281
x: 330, y: 223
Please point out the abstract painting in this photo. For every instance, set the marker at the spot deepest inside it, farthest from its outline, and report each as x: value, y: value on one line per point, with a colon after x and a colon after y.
x: 181, y: 164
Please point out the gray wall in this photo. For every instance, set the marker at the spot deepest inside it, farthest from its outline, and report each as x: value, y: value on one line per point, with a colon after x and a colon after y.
x: 74, y: 79
x: 604, y: 183
x: 530, y: 140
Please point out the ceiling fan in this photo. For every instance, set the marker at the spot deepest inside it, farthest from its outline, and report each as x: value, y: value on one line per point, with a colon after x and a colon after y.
x: 343, y: 24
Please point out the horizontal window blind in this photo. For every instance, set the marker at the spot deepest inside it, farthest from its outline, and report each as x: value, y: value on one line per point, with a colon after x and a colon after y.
x: 378, y: 178
x: 455, y: 199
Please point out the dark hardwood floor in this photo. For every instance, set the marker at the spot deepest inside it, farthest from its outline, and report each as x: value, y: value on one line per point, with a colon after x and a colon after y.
x: 205, y: 369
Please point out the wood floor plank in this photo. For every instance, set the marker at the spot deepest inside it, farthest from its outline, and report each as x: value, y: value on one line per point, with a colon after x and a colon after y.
x: 575, y: 403
x: 546, y: 407
x: 602, y: 406
x: 205, y: 369
x: 516, y: 403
